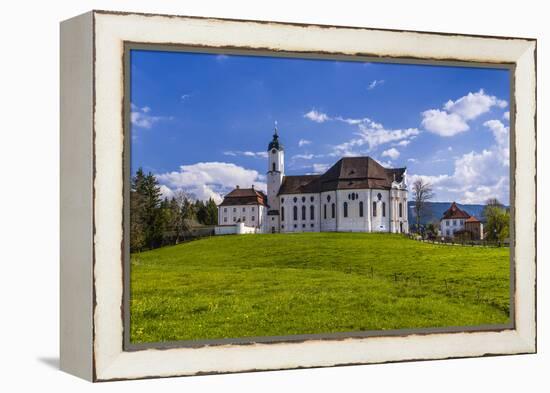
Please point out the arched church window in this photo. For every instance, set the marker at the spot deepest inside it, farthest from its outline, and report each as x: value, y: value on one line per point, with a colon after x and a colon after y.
x: 383, y: 209
x: 325, y: 211
x: 295, y: 213
x: 282, y: 213
x: 303, y: 212
x: 303, y: 199
x: 273, y: 166
x: 379, y: 196
x: 312, y: 199
x: 345, y: 209
x: 282, y: 200
x: 295, y: 199
x: 328, y: 198
x: 361, y: 209
x: 400, y: 209
x: 311, y: 213
x: 333, y: 208
x: 374, y: 209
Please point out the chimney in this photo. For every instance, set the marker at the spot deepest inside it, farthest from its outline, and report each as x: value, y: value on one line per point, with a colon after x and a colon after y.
x: 237, y: 186
x: 252, y: 186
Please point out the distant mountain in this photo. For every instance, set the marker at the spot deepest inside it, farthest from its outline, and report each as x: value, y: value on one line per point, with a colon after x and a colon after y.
x: 435, y: 210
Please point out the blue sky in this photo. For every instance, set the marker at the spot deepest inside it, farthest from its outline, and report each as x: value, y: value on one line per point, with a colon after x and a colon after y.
x: 201, y: 122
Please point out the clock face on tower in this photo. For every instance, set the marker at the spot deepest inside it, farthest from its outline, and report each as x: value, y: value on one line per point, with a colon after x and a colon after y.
x: 273, y: 151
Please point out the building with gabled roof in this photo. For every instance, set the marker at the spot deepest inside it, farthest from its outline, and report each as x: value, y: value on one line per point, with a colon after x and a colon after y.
x: 356, y: 194
x: 243, y: 205
x: 457, y: 221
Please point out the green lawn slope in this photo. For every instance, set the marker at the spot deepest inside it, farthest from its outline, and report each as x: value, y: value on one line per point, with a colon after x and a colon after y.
x: 310, y: 283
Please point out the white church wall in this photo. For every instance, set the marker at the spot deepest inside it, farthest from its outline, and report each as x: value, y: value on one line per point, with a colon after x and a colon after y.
x: 328, y: 222
x: 354, y: 222
x: 380, y: 222
x: 399, y: 222
x: 287, y: 202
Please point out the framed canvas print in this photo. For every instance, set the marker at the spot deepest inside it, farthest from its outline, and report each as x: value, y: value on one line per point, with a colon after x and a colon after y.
x: 245, y: 195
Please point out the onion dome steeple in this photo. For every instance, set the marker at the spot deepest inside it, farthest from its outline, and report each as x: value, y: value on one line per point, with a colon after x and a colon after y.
x: 275, y: 144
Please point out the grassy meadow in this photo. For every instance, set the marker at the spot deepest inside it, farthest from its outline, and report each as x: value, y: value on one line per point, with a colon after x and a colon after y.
x: 286, y: 284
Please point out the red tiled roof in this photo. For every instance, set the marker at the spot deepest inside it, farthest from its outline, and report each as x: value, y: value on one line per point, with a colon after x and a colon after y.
x: 244, y: 196
x: 472, y: 219
x: 454, y: 212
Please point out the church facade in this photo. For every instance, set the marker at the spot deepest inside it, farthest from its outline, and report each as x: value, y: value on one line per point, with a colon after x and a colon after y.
x: 356, y: 194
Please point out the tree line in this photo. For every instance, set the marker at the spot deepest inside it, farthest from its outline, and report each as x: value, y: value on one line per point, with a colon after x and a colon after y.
x: 156, y: 221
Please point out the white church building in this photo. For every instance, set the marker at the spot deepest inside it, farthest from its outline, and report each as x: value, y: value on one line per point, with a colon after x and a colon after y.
x: 356, y: 194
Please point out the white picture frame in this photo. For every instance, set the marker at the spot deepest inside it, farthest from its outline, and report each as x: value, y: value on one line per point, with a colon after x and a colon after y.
x: 92, y: 193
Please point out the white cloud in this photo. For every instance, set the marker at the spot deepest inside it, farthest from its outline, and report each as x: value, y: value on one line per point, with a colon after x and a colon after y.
x: 303, y: 156
x: 140, y: 117
x: 501, y: 134
x: 473, y: 105
x: 209, y: 179
x: 413, y: 160
x: 369, y: 136
x: 253, y: 154
x: 454, y: 117
x: 185, y: 97
x: 392, y: 153
x: 303, y: 142
x: 403, y: 143
x: 477, y: 176
x: 375, y: 83
x: 316, y: 116
x: 443, y: 123
x: 506, y: 115
x: 320, y: 168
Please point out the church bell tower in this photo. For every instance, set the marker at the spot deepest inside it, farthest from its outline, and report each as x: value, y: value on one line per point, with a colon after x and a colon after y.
x: 275, y: 170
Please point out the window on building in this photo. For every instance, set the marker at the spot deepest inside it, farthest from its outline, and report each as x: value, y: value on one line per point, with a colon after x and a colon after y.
x: 234, y: 219
x: 244, y: 219
x: 225, y: 219
x: 273, y: 167
x: 454, y: 223
x: 383, y: 209
x: 333, y: 210
x: 447, y: 223
x: 234, y: 210
x: 361, y: 209
x: 294, y: 225
x: 303, y: 225
x: 295, y: 199
x: 328, y: 198
x: 448, y: 232
x: 400, y: 209
x: 311, y: 213
x: 282, y: 226
x: 252, y: 208
x: 303, y: 199
x: 303, y: 212
x: 461, y: 222
x: 345, y: 209
x: 225, y: 209
x: 282, y: 200
x: 312, y: 225
x: 252, y: 218
x: 312, y: 199
x: 295, y: 213
x: 282, y: 213
x: 244, y: 209
x: 325, y: 212
x: 374, y: 209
